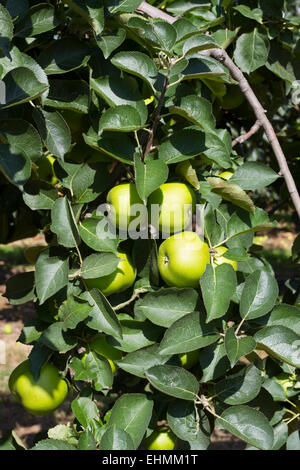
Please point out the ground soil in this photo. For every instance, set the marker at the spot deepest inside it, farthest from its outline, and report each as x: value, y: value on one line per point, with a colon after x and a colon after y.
x: 12, y: 415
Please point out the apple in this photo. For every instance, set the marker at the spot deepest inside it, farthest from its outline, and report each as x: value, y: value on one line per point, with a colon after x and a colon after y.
x: 161, y: 439
x: 121, y: 198
x: 42, y: 396
x: 226, y: 175
x: 177, y: 204
x: 182, y: 259
x: 46, y: 170
x: 102, y: 347
x: 7, y: 329
x: 118, y: 281
x: 219, y: 259
x: 190, y: 359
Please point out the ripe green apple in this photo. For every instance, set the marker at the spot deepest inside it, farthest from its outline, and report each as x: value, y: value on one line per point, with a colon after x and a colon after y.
x: 226, y: 175
x: 7, y: 329
x: 118, y: 281
x: 177, y: 203
x: 182, y: 259
x: 121, y: 198
x: 188, y: 360
x: 219, y: 259
x: 42, y: 396
x: 161, y: 439
x: 46, y: 170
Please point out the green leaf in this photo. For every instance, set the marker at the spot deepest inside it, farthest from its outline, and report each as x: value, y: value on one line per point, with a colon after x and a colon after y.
x: 87, y: 441
x: 51, y: 273
x: 254, y: 14
x: 166, y: 306
x: 137, y: 362
x: 122, y: 118
x: 132, y: 413
x: 293, y: 441
x: 108, y: 43
x: 38, y: 19
x: 6, y: 30
x: 242, y: 222
x: 56, y: 339
x: 39, y: 195
x: 237, y: 347
x: 122, y: 6
x: 232, y: 193
x: 149, y: 176
x: 259, y: 295
x: 280, y: 435
x: 218, y: 284
x: 249, y: 425
x: 31, y: 331
x: 219, y: 146
x: 188, y: 334
x: 239, y: 388
x: 21, y: 86
x: 15, y: 164
x: 280, y: 342
x: 252, y: 175
x: 117, y: 91
x: 138, y: 64
x: 21, y: 134
x: 53, y: 444
x: 214, y: 362
x: 73, y: 311
x: 174, y: 381
x: 64, y: 223
x: 182, y: 145
x: 135, y: 334
x: 251, y: 51
x: 206, y: 68
x: 115, y: 144
x: 99, y: 265
x: 183, y: 421
x: 92, y: 232
x: 64, y: 55
x: 54, y: 131
x: 197, y: 110
x: 20, y: 288
x: 99, y: 370
x: 102, y: 316
x: 157, y: 31
x: 285, y: 315
x: 115, y: 438
x: 197, y: 43
x: 85, y: 411
x: 92, y: 12
x: 74, y: 97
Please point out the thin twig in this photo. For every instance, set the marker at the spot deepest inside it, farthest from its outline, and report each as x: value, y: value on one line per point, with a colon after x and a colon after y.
x: 247, y: 135
x: 157, y: 118
x: 222, y: 56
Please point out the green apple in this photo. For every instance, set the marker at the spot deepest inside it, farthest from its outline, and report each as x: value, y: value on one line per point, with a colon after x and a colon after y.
x: 161, y: 439
x: 177, y: 204
x: 102, y: 347
x: 190, y: 359
x: 46, y: 170
x: 42, y: 396
x: 118, y: 281
x: 7, y: 329
x: 182, y: 259
x: 121, y: 198
x: 219, y: 259
x: 226, y: 175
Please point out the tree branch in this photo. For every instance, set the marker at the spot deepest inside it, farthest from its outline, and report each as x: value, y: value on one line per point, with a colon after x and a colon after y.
x: 157, y: 118
x: 240, y: 139
x: 222, y: 56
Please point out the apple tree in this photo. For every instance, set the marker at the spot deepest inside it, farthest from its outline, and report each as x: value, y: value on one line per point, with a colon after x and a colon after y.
x: 101, y: 95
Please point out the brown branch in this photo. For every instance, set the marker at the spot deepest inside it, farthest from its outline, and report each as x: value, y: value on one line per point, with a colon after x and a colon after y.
x: 241, y: 138
x: 157, y: 118
x: 222, y: 56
